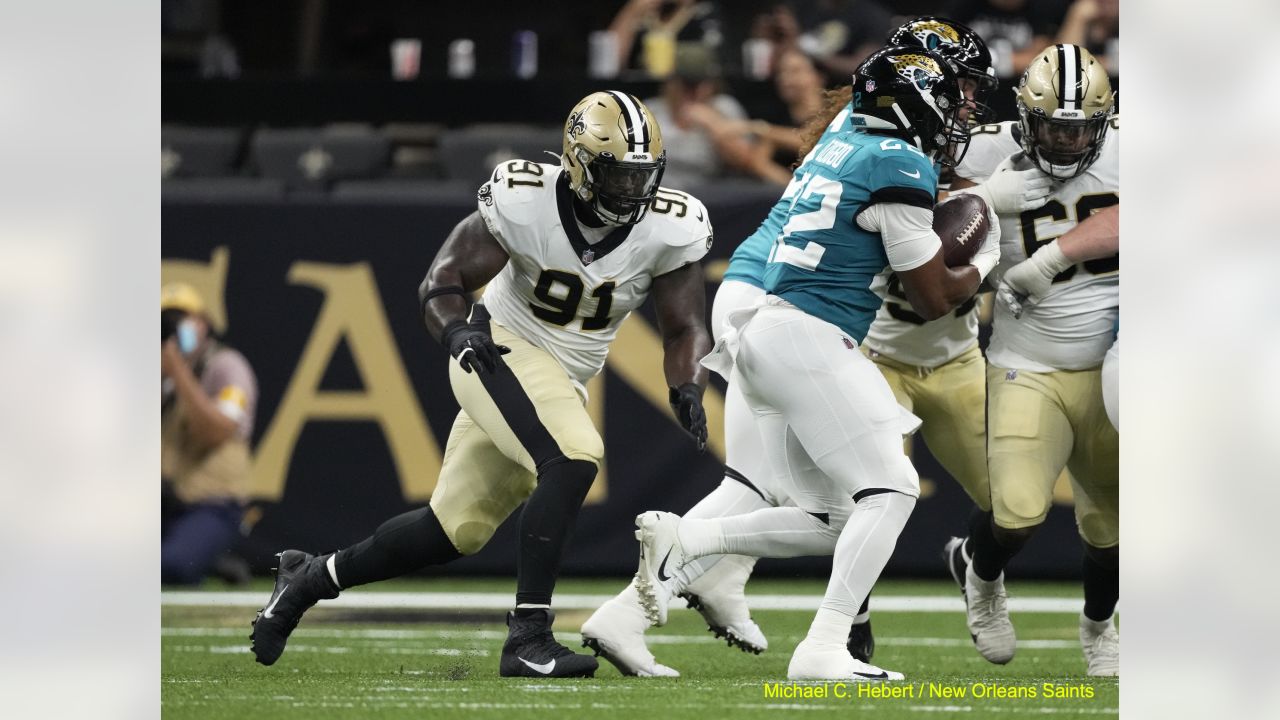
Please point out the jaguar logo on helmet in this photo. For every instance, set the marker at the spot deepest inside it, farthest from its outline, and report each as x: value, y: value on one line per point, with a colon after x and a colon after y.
x: 933, y: 33
x: 917, y: 69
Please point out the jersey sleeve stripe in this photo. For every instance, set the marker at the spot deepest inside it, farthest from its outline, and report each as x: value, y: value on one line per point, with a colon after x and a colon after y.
x: 903, y: 195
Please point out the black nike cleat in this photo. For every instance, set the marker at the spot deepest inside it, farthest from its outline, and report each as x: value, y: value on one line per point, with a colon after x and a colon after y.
x: 301, y: 581
x: 531, y: 649
x: 862, y: 645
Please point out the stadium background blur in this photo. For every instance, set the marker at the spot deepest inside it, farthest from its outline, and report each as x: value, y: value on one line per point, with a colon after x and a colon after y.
x: 305, y: 191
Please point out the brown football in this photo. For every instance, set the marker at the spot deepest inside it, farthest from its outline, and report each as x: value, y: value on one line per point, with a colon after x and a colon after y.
x: 961, y: 224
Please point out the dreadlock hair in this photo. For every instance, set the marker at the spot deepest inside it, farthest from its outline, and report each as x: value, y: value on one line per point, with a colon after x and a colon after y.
x: 833, y: 101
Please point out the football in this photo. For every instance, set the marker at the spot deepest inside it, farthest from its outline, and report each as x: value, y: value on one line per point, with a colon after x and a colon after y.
x: 961, y: 223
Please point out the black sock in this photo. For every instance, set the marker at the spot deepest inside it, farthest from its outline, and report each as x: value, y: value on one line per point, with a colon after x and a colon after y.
x: 1101, y: 582
x: 400, y: 545
x: 989, y: 554
x: 545, y: 527
x: 866, y: 605
x: 976, y: 516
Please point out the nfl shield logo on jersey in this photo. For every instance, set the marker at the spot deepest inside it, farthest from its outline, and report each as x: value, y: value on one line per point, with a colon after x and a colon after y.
x: 587, y: 256
x: 871, y: 86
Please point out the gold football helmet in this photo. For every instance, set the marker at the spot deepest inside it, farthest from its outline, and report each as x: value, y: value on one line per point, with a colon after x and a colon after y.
x: 613, y: 156
x: 1065, y: 105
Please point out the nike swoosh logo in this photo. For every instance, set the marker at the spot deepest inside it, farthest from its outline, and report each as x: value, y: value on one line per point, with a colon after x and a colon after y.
x: 915, y: 175
x: 882, y: 675
x: 699, y: 216
x: 545, y: 669
x: 267, y: 612
x: 662, y: 569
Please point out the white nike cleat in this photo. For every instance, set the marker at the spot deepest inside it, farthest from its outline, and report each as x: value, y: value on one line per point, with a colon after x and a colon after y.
x: 987, y: 613
x: 660, y: 556
x: 827, y: 660
x: 719, y: 597
x: 616, y: 633
x: 1101, y: 644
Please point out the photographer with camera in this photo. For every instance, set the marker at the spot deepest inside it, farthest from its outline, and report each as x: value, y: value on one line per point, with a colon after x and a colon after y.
x: 208, y: 394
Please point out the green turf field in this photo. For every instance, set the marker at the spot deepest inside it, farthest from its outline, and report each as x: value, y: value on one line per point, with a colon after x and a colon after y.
x: 410, y: 663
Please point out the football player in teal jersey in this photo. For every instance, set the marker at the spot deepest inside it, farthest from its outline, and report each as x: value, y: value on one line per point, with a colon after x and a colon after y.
x: 714, y: 585
x: 860, y: 203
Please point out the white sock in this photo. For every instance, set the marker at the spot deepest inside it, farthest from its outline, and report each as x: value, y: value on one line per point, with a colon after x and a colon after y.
x: 865, y: 545
x: 830, y: 626
x: 333, y: 570
x: 861, y: 618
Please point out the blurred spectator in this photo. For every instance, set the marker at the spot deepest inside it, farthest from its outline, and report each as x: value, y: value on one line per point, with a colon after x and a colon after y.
x: 692, y: 113
x: 649, y: 30
x: 1014, y: 30
x: 1095, y: 26
x: 837, y: 34
x: 208, y: 395
x: 800, y: 87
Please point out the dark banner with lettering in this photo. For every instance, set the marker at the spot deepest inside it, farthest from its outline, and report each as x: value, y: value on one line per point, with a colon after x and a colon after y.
x: 355, y: 403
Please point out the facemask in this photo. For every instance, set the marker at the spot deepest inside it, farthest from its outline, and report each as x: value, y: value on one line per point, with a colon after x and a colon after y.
x: 187, y: 339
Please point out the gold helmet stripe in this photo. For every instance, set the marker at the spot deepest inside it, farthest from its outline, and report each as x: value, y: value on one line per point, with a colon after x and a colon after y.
x: 634, y: 119
x: 1069, y: 76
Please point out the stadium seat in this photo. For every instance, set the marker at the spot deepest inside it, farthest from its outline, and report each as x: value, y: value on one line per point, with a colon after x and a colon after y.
x: 404, y: 191
x: 311, y: 159
x: 227, y: 189
x: 470, y: 154
x: 198, y: 152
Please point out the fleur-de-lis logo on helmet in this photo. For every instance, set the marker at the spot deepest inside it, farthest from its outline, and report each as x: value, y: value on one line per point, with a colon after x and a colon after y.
x: 575, y: 126
x: 917, y: 69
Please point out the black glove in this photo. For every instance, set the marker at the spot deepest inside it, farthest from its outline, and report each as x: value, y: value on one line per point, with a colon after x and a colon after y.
x: 686, y: 403
x: 473, y: 347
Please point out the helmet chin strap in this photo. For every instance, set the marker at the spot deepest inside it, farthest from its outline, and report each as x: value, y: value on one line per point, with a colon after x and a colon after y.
x: 907, y: 126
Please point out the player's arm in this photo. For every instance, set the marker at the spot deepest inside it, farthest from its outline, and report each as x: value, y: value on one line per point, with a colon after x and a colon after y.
x: 470, y: 257
x: 679, y: 297
x: 1097, y: 236
x: 915, y: 254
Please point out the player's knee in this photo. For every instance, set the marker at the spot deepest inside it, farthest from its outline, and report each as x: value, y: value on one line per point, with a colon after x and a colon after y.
x: 903, y: 477
x: 1021, y: 506
x: 1108, y: 557
x: 1099, y: 530
x: 470, y: 537
x: 584, y: 446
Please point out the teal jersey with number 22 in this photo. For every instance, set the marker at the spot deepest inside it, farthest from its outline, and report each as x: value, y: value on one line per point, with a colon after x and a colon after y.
x: 819, y: 259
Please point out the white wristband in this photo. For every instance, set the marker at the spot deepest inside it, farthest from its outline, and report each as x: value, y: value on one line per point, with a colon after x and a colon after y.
x: 1050, y: 259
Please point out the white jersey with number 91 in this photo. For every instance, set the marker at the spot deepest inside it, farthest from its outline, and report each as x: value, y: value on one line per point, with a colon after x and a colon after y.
x: 567, y: 288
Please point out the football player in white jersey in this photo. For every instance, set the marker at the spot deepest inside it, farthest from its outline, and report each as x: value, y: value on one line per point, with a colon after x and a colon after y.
x: 565, y: 253
x: 1095, y: 238
x: 1045, y: 409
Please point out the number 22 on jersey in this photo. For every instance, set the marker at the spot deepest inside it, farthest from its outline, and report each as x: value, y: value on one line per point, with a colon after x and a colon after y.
x: 807, y: 191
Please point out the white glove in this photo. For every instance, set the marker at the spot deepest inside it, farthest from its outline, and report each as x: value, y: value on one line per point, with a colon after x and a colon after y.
x: 1028, y: 281
x: 988, y: 255
x: 1010, y: 191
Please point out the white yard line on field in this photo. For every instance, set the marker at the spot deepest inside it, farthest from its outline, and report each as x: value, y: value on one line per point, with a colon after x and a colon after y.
x: 502, y: 601
x: 383, y: 635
